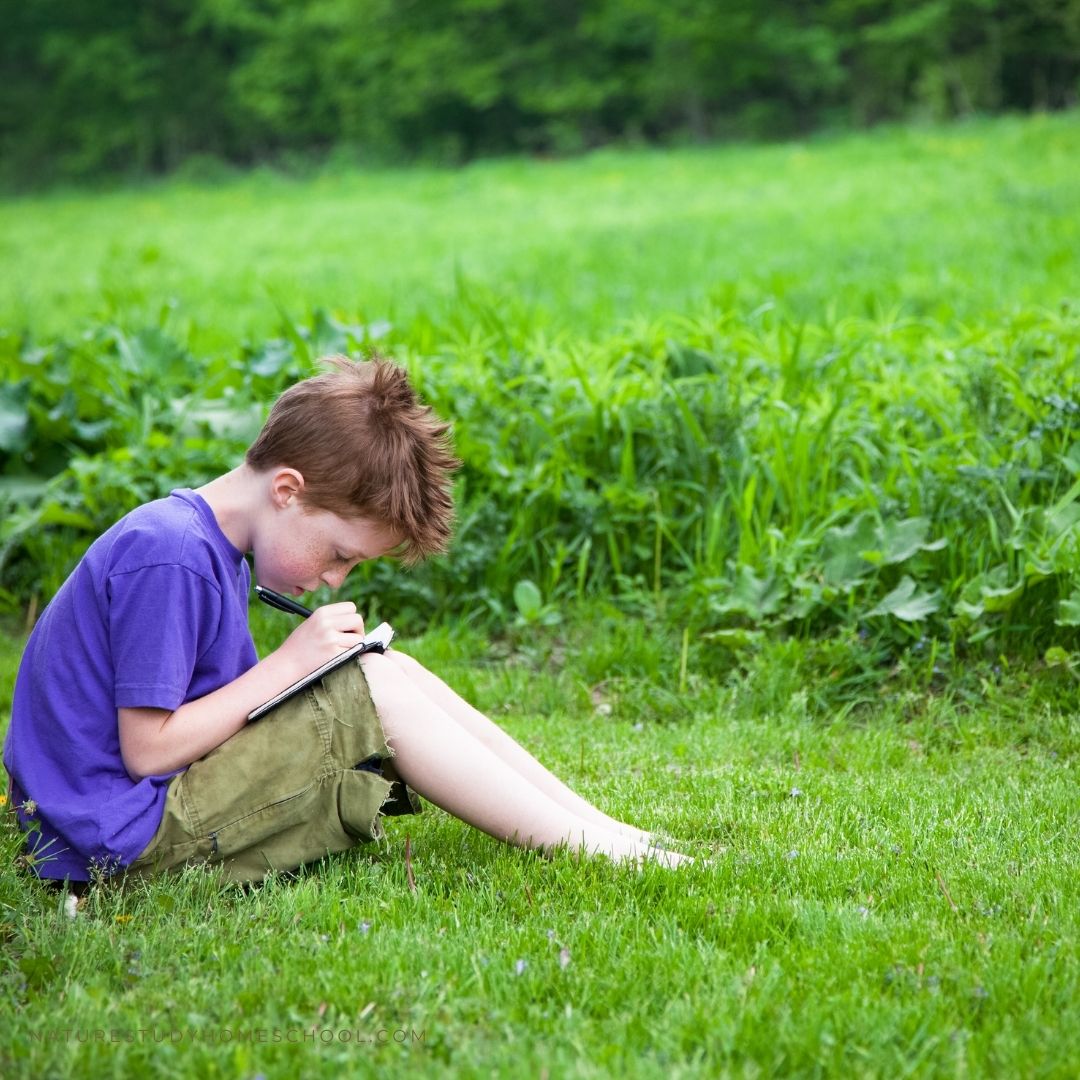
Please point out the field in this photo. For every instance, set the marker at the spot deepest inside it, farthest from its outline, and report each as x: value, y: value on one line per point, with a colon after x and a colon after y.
x: 768, y: 542
x: 951, y: 225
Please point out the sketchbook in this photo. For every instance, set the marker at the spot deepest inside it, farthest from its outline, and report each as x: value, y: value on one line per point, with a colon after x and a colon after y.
x: 377, y: 641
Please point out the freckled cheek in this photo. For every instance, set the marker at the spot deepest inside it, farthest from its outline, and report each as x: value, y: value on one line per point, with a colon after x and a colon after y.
x: 296, y: 564
x: 305, y: 561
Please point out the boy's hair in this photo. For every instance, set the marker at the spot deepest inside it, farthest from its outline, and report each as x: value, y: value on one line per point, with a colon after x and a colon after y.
x: 367, y: 448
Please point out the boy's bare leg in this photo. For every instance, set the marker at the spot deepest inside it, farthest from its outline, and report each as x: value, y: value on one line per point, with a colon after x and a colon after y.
x: 447, y: 764
x: 507, y: 748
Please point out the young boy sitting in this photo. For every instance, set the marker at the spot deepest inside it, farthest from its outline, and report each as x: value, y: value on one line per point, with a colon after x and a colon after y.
x: 129, y: 749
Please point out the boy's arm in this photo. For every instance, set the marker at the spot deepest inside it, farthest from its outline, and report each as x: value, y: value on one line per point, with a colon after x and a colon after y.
x: 156, y: 741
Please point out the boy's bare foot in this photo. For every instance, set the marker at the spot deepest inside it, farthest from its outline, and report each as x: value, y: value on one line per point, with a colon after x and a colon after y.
x: 638, y: 855
x: 670, y: 859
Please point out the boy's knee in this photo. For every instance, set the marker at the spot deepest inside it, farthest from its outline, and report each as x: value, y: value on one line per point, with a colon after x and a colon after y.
x: 378, y: 669
x: 406, y: 663
x: 390, y: 688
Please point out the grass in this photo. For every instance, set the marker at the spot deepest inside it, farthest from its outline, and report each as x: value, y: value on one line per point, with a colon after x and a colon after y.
x: 943, y: 223
x: 893, y: 885
x: 890, y: 896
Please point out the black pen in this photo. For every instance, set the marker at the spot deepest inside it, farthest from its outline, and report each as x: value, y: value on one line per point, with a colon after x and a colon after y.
x: 282, y: 603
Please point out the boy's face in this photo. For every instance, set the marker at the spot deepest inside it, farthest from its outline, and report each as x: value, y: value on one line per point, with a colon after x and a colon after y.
x: 304, y: 548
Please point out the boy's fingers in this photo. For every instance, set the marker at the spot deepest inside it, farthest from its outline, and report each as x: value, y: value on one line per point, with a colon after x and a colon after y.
x: 340, y: 608
x: 339, y: 615
x: 343, y: 617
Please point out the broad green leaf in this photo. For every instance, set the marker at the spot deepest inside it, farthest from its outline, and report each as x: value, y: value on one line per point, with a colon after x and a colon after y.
x: 223, y: 420
x: 14, y: 418
x: 1070, y: 496
x: 906, y: 604
x: 808, y: 595
x: 528, y: 600
x: 1002, y: 599
x: 753, y: 596
x: 992, y: 591
x: 967, y: 610
x: 734, y: 638
x: 845, y: 565
x: 1062, y: 519
x: 898, y: 541
x: 22, y: 489
x: 273, y: 358
x: 1069, y: 610
x: 91, y: 430
x: 55, y: 514
x: 1036, y: 570
x: 1071, y: 459
x: 902, y: 539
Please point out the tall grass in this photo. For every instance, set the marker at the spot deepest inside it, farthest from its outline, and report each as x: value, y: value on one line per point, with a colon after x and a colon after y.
x: 739, y: 471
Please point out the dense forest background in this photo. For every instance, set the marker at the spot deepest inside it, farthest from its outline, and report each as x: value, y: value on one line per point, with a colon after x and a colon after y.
x: 134, y: 87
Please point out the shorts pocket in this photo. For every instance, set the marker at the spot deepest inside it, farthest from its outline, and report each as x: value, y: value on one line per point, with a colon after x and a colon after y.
x: 361, y: 794
x: 262, y: 824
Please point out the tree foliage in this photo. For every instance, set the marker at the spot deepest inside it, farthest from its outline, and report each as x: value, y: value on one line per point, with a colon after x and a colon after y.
x: 130, y: 87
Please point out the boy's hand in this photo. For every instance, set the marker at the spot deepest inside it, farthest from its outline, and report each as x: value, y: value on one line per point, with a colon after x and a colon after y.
x: 155, y: 741
x: 330, y: 630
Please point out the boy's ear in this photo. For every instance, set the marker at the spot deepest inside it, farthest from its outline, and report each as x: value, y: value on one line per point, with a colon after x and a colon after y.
x: 286, y: 485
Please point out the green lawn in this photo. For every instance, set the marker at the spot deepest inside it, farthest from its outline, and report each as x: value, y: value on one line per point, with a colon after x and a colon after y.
x: 947, y: 223
x: 896, y: 896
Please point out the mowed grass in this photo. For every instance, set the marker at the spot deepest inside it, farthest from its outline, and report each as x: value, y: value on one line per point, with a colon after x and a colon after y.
x: 891, y: 897
x: 941, y: 223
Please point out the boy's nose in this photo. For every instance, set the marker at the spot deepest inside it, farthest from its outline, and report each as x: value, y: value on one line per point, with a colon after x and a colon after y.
x: 334, y: 578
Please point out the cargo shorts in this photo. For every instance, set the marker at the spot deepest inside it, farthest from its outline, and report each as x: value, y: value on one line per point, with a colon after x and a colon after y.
x: 310, y: 778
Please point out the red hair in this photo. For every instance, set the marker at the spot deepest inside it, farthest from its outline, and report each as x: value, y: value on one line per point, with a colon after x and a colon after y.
x: 366, y: 448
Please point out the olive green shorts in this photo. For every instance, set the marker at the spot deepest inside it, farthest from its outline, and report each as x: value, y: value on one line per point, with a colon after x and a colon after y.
x: 310, y: 778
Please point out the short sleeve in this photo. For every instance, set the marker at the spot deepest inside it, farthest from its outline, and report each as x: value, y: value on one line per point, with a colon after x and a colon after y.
x: 161, y: 620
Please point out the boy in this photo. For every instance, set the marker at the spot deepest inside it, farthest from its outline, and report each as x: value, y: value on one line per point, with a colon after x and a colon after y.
x: 129, y: 750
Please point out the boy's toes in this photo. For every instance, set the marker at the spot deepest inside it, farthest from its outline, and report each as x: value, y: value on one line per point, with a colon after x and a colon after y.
x: 670, y: 859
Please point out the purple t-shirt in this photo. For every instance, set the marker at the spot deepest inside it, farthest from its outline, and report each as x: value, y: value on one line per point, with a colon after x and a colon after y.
x: 154, y: 615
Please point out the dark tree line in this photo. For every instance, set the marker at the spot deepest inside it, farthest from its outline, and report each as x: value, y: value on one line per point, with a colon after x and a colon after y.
x: 139, y: 86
